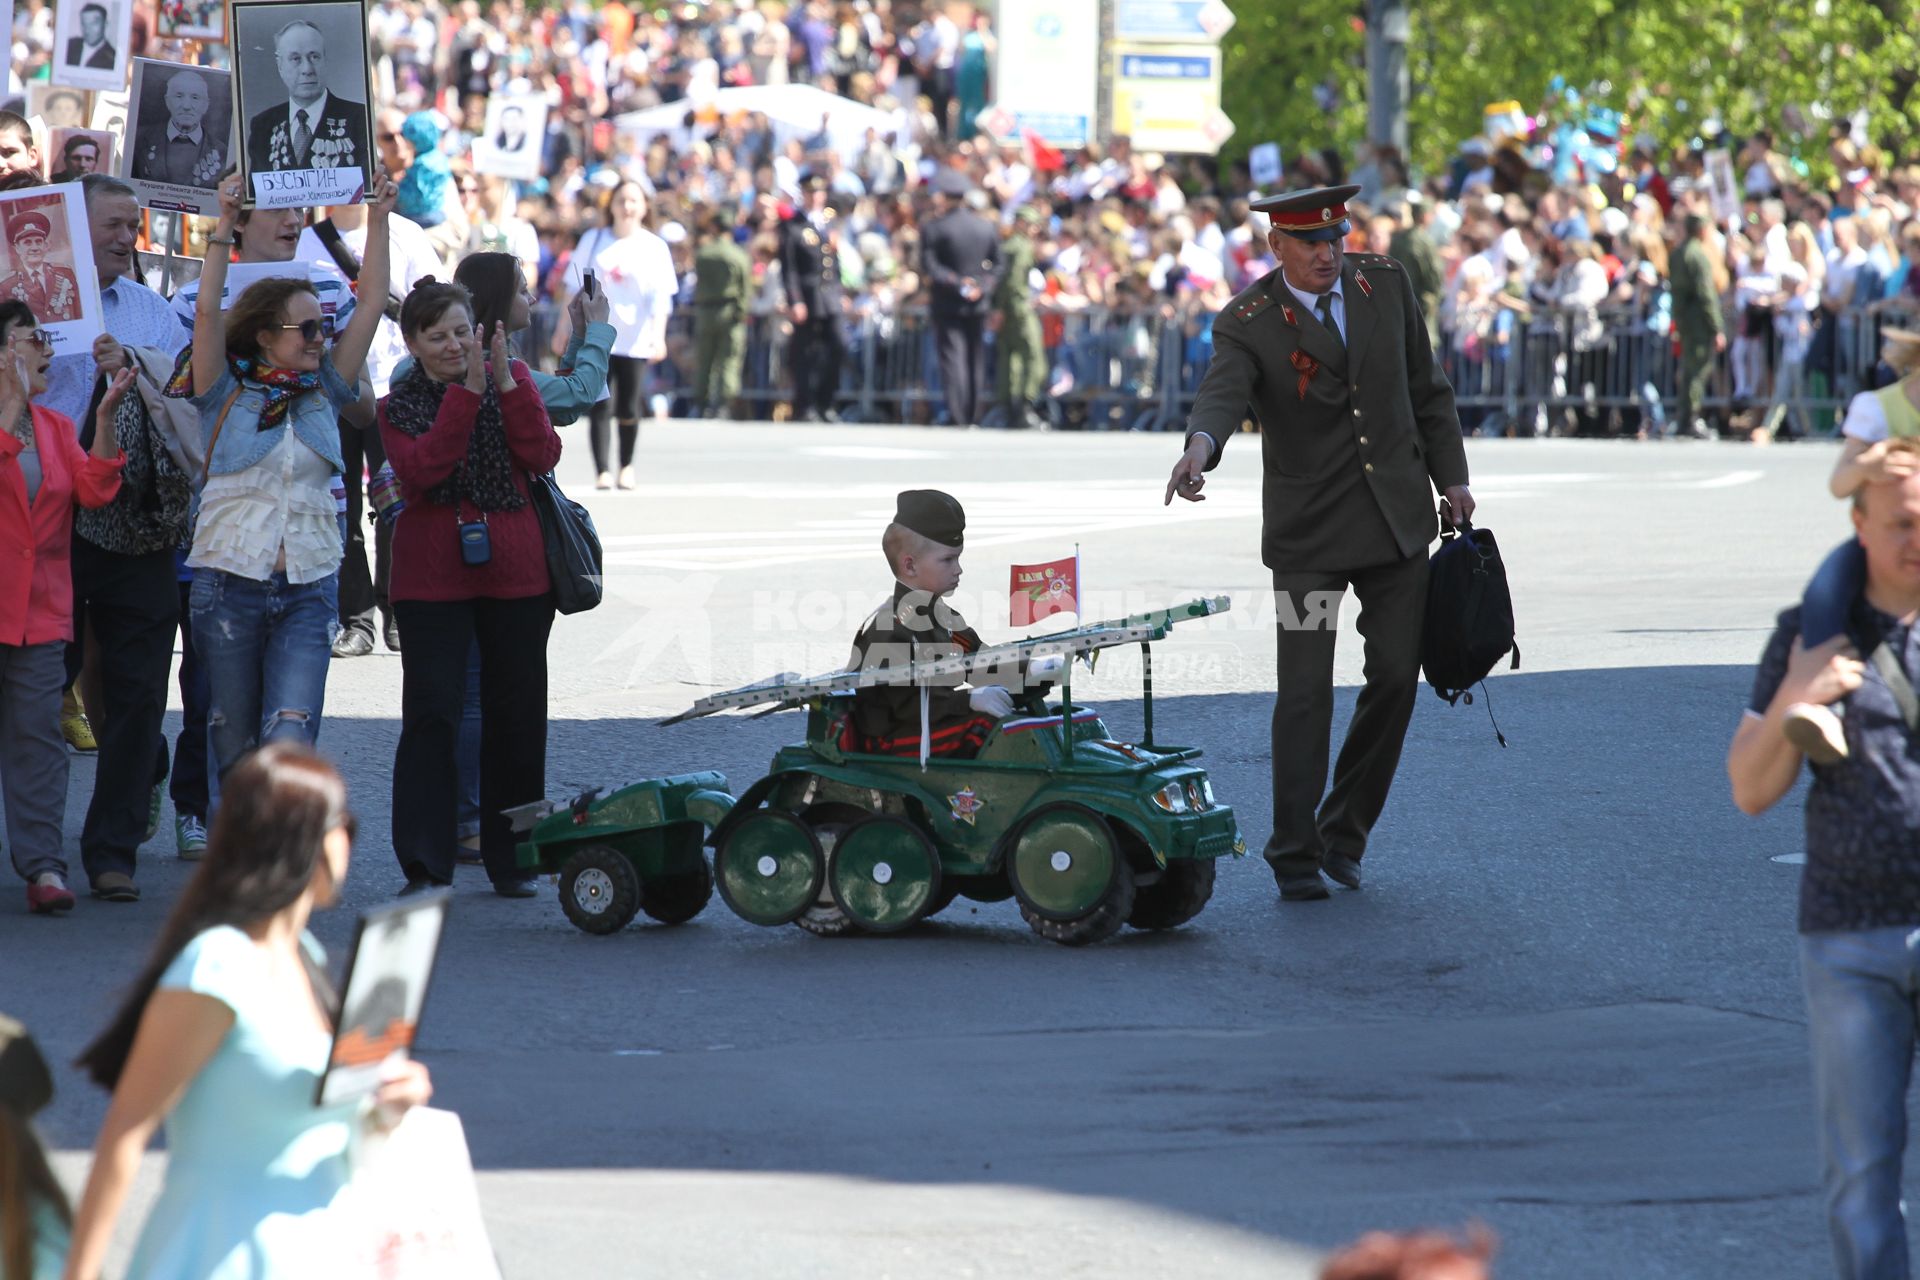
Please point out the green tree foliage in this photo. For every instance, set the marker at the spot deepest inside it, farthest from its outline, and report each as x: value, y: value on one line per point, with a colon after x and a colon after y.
x: 1747, y: 64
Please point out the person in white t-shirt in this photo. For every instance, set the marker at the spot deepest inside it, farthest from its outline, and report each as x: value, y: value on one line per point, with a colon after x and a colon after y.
x: 635, y: 267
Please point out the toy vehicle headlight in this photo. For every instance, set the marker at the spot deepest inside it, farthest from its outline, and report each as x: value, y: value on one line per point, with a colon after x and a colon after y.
x: 1172, y: 797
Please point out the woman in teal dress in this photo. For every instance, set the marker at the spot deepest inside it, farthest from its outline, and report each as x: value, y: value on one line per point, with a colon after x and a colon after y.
x: 33, y: 1208
x: 225, y: 1037
x: 970, y: 74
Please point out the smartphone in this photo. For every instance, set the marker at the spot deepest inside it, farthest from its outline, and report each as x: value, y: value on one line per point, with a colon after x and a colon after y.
x: 587, y: 283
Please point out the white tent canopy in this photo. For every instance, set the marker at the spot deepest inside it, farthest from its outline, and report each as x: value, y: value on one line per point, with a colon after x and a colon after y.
x: 794, y: 110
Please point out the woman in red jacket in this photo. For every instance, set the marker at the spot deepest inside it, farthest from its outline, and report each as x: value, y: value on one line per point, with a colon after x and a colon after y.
x: 469, y: 564
x: 43, y: 472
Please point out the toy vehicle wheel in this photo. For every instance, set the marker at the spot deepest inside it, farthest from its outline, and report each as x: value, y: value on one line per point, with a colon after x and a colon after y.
x: 599, y: 889
x: 768, y: 868
x: 884, y: 873
x: 1067, y: 870
x: 678, y: 899
x: 1183, y: 889
x: 829, y: 822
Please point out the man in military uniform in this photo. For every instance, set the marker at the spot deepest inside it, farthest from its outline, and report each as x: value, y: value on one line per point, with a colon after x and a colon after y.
x: 1023, y: 356
x: 922, y: 545
x: 1413, y: 249
x: 961, y: 251
x: 1358, y: 430
x: 52, y: 291
x: 183, y: 151
x: 810, y: 273
x: 1696, y: 316
x: 722, y: 285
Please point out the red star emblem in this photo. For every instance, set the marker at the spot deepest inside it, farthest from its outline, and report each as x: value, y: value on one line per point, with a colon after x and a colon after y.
x: 965, y: 805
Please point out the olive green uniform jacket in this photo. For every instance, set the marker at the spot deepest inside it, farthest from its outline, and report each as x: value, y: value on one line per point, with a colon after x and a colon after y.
x: 1354, y: 441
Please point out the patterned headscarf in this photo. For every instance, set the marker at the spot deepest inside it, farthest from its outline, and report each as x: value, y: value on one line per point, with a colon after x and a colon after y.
x: 484, y: 477
x: 283, y: 386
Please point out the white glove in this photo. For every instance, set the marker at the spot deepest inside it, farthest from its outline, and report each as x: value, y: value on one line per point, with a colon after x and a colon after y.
x: 991, y: 700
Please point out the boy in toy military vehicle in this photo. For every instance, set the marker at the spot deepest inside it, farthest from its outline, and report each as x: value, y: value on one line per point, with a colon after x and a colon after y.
x: 922, y: 545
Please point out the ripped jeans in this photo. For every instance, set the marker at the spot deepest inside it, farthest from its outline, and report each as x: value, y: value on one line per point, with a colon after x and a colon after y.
x: 265, y: 646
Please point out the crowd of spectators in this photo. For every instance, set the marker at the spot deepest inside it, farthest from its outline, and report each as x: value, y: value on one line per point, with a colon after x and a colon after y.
x: 1552, y: 303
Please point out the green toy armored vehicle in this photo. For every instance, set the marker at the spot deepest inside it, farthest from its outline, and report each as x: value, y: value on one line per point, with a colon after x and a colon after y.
x: 1086, y: 832
x: 640, y: 849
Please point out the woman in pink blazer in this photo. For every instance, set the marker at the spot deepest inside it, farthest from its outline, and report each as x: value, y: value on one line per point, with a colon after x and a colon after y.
x: 43, y: 472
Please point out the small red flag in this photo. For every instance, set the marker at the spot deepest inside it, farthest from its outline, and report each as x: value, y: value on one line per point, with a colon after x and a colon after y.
x: 1041, y: 590
x: 1041, y: 157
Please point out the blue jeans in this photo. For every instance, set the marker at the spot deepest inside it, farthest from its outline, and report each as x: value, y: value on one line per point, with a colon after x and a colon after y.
x: 266, y: 647
x: 1828, y: 599
x: 1861, y: 990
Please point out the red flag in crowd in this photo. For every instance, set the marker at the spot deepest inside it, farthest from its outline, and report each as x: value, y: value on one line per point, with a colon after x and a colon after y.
x: 1041, y: 590
x: 1042, y: 158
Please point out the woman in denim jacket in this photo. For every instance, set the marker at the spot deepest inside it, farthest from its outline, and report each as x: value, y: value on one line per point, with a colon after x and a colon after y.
x: 266, y: 542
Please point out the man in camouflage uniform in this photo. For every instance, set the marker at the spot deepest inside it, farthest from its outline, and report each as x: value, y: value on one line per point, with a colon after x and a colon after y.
x: 723, y: 283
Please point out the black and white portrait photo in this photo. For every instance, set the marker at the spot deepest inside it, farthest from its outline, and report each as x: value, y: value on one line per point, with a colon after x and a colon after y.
x: 72, y: 154
x: 57, y: 107
x: 303, y: 100
x: 180, y: 131
x: 91, y: 39
x: 514, y: 138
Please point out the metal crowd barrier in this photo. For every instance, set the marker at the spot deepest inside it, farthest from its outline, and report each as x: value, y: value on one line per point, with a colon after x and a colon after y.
x: 1115, y: 369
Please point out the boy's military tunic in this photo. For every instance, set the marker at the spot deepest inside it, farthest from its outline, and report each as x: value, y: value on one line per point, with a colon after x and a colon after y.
x: 1356, y: 437
x: 722, y: 288
x: 911, y: 628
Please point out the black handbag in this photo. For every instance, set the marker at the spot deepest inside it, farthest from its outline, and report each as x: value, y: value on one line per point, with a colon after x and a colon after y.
x: 573, y: 545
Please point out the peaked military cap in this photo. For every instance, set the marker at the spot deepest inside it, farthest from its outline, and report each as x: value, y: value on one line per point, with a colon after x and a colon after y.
x: 1317, y: 213
x: 952, y: 182
x: 28, y: 224
x: 933, y: 515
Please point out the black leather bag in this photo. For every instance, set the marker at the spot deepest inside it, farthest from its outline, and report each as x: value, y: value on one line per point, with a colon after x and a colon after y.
x: 573, y: 546
x: 1469, y: 622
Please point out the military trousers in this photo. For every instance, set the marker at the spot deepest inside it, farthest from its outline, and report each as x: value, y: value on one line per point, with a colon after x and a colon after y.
x: 1023, y: 361
x: 719, y: 349
x: 817, y: 352
x: 1696, y: 367
x: 1393, y: 600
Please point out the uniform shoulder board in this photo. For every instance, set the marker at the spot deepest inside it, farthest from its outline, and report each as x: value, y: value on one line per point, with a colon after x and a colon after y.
x: 1373, y: 260
x: 1246, y: 309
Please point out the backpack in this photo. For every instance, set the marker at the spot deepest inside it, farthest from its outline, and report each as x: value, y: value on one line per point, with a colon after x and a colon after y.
x: 1469, y: 620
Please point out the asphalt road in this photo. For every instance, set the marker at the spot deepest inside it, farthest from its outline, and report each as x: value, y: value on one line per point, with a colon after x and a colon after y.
x: 1566, y: 1004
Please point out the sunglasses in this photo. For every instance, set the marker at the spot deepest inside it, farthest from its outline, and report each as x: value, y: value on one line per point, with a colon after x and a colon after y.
x: 310, y: 330
x: 38, y: 337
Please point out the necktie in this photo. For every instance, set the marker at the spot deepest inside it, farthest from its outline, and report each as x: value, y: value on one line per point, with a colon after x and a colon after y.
x: 302, y: 139
x: 1325, y: 311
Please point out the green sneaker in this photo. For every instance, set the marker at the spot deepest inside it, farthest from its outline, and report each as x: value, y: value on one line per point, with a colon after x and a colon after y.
x: 189, y: 837
x: 154, y: 802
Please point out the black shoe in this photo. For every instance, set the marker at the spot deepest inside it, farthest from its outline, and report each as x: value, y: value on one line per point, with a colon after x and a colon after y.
x: 352, y: 643
x: 1307, y: 888
x: 1342, y: 869
x: 391, y: 634
x: 516, y: 888
x: 418, y: 884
